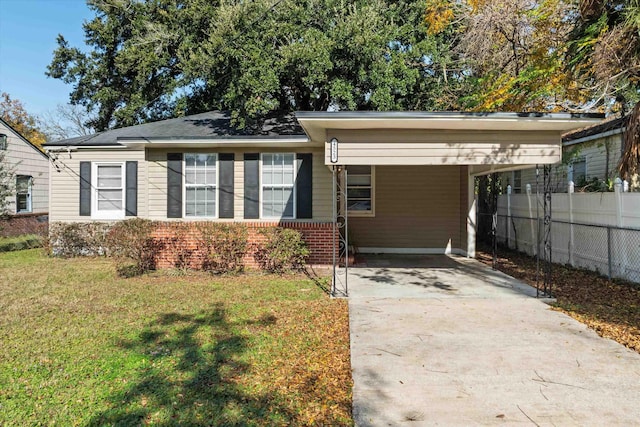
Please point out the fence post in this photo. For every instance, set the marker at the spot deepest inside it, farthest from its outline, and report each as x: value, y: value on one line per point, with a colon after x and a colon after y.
x: 534, y: 246
x: 620, y: 245
x: 610, y: 263
x: 571, y: 189
x: 617, y: 186
x: 508, y: 221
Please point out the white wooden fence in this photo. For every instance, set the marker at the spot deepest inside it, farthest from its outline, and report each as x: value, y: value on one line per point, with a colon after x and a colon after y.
x: 597, y: 231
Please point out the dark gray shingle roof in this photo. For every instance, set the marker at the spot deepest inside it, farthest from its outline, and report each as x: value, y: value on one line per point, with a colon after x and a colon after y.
x: 212, y: 124
x: 603, y: 127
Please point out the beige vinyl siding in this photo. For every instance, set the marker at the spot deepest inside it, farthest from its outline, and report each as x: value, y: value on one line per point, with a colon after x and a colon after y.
x: 322, y: 180
x: 65, y: 184
x: 408, y: 147
x: 24, y: 159
x: 415, y: 207
x: 595, y: 154
x: 464, y: 200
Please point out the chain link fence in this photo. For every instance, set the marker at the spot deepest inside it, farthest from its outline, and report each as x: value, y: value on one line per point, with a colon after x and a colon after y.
x: 608, y: 250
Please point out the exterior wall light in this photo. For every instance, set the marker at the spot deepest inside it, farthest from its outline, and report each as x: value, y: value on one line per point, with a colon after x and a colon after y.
x: 334, y: 150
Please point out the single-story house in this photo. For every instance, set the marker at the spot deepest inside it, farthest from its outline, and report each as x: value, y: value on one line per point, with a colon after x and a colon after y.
x: 409, y: 176
x: 29, y: 202
x: 591, y: 157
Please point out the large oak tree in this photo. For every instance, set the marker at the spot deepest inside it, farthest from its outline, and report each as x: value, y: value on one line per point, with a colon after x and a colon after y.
x: 154, y: 59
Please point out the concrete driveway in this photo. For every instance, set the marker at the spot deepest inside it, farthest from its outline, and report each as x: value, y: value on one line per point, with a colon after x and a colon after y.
x: 439, y: 340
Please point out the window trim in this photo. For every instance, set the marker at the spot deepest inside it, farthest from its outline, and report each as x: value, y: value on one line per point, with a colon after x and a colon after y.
x: 293, y: 186
x: 372, y: 212
x: 4, y: 142
x: 107, y: 214
x: 216, y: 187
x: 29, y: 194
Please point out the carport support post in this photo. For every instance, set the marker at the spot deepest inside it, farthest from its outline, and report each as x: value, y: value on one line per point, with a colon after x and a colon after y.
x: 472, y: 217
x: 494, y: 222
x: 335, y: 226
x: 547, y: 230
x: 340, y: 231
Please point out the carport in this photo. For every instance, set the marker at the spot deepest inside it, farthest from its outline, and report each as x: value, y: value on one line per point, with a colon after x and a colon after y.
x: 403, y: 182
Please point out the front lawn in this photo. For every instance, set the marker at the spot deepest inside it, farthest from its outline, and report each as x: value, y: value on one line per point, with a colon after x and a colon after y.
x: 80, y: 346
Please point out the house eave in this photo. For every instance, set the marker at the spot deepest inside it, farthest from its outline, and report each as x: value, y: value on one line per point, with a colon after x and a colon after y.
x: 316, y: 124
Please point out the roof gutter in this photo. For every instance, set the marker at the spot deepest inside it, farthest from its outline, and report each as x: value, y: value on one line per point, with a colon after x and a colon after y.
x: 133, y: 142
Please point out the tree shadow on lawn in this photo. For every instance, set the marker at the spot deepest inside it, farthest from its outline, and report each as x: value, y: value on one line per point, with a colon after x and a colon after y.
x: 189, y: 380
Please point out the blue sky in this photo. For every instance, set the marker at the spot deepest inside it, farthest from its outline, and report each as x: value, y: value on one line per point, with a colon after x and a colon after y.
x: 28, y: 31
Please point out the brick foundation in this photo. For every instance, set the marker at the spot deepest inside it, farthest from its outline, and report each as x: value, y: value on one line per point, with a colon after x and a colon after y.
x: 17, y: 225
x: 318, y: 237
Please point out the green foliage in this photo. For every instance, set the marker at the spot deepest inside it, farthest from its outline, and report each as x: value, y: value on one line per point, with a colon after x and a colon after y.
x: 151, y: 60
x: 225, y: 246
x: 19, y: 243
x: 132, y: 245
x: 603, y: 52
x: 7, y: 184
x: 77, y: 239
x: 594, y: 185
x: 283, y: 250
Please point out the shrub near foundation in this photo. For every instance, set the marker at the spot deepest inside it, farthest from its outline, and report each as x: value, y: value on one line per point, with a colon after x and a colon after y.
x: 132, y: 246
x: 225, y: 246
x: 283, y: 250
x: 77, y: 239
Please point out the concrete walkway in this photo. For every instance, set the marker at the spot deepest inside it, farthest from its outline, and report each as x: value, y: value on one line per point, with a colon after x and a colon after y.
x: 441, y: 340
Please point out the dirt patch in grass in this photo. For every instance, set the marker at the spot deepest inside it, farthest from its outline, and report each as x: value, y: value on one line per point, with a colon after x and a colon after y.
x: 611, y: 308
x: 81, y: 346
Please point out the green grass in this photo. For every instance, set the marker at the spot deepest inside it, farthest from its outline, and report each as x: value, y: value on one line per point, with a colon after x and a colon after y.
x: 81, y: 346
x: 18, y: 243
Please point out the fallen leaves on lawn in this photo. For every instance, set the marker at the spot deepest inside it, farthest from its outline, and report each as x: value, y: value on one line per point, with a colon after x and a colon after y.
x: 611, y: 308
x: 314, y: 367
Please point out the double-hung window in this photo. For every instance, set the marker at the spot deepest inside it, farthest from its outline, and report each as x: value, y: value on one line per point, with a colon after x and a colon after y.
x: 201, y: 182
x: 23, y: 193
x: 278, y: 185
x: 516, y: 187
x: 108, y: 187
x: 578, y: 171
x: 360, y: 190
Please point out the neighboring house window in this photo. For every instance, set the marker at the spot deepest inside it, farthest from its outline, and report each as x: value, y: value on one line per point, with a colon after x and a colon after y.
x: 278, y: 189
x: 108, y: 187
x: 201, y: 183
x: 23, y: 193
x: 517, y: 182
x: 578, y: 172
x: 360, y: 190
x: 3, y: 141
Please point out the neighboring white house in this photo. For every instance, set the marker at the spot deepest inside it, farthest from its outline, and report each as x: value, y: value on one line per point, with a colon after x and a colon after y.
x: 30, y: 167
x: 590, y: 159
